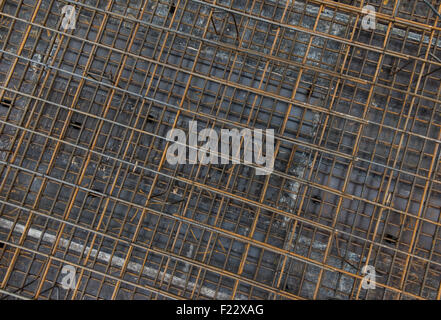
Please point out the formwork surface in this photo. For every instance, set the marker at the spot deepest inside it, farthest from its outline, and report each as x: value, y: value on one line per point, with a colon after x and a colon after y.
x: 84, y: 182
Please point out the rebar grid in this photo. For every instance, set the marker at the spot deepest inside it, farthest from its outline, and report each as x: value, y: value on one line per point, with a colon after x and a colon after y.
x: 84, y: 180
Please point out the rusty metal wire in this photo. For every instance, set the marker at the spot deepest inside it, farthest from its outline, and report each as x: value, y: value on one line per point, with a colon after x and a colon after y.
x: 84, y: 182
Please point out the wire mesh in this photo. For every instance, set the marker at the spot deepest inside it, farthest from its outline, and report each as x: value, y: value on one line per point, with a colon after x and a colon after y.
x: 84, y: 181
